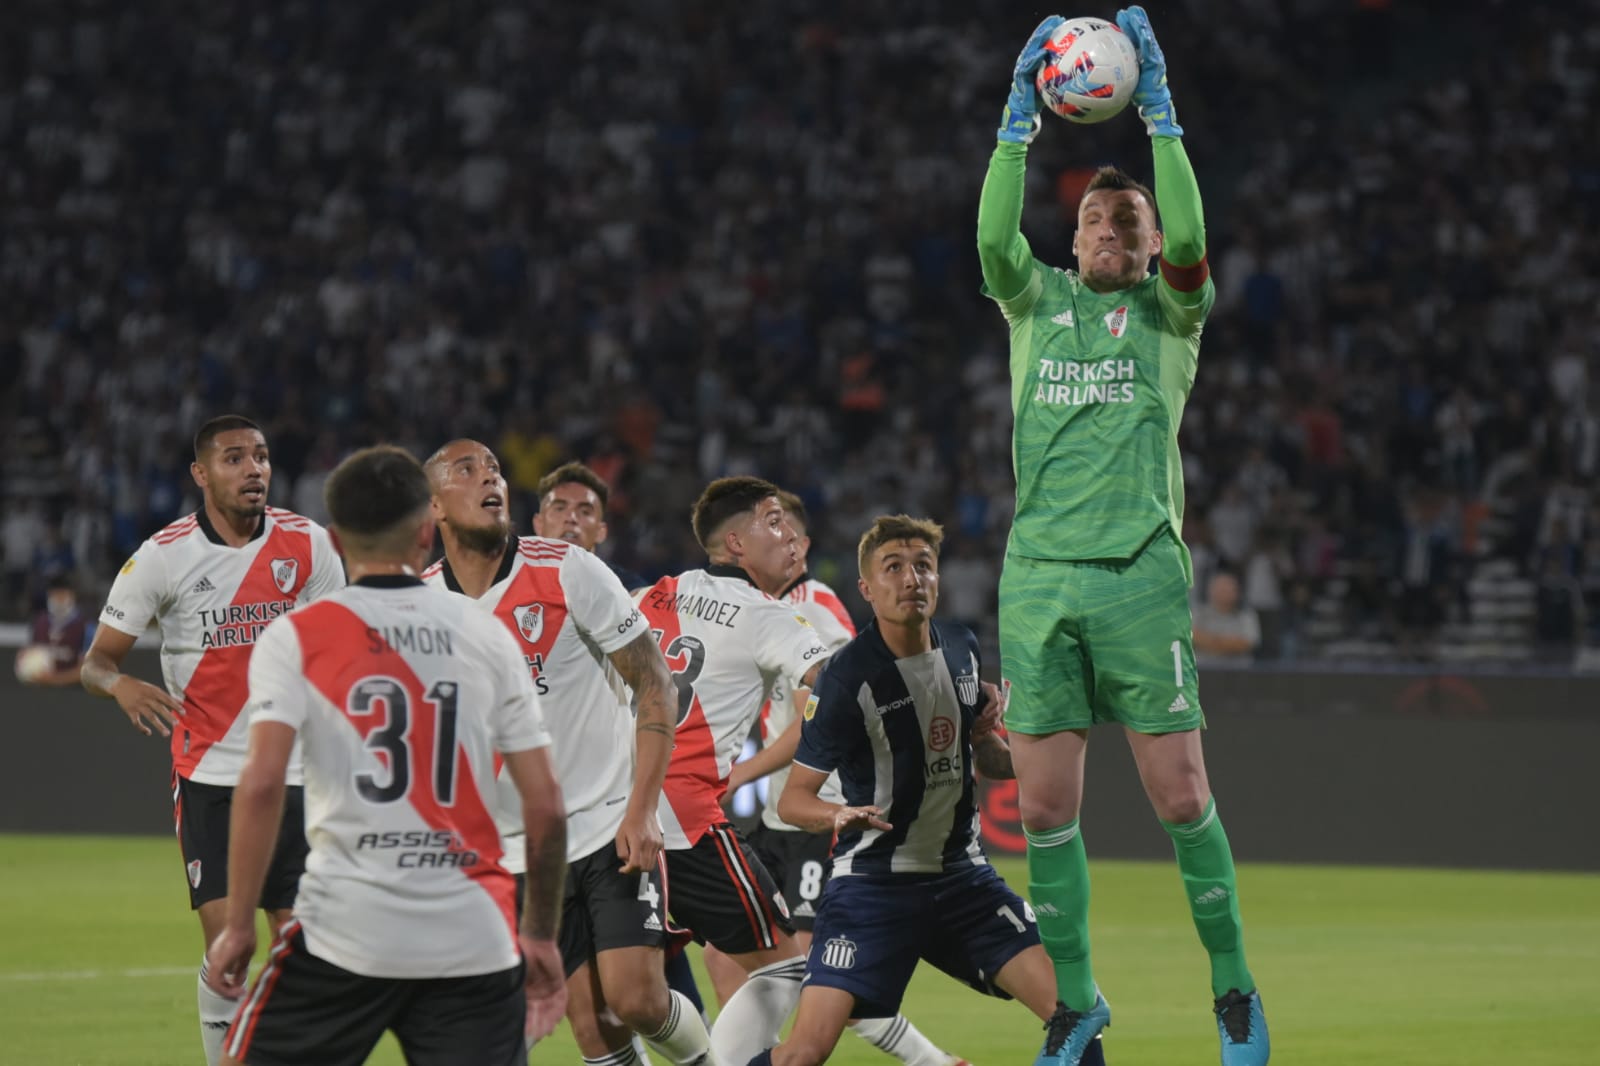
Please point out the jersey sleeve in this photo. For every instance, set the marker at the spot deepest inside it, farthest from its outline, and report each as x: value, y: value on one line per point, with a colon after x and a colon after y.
x: 518, y: 717
x: 279, y: 691
x: 786, y: 644
x: 139, y: 592
x: 829, y: 727
x: 834, y: 631
x: 1186, y: 291
x: 598, y: 601
x: 1010, y: 276
x: 327, y: 569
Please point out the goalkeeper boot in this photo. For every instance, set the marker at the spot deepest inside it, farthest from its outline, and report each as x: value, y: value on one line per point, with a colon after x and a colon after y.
x: 1069, y: 1033
x: 1243, y: 1029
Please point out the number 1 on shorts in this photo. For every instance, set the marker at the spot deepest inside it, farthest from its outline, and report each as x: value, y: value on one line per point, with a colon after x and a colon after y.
x: 1177, y: 663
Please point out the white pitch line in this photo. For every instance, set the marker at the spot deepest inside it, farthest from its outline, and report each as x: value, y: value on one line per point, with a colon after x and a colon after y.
x: 92, y: 975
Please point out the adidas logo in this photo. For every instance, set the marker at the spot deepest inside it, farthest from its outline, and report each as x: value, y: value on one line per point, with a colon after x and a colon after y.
x: 204, y: 585
x: 1179, y: 705
x: 1216, y: 895
x: 653, y: 923
x: 805, y: 910
x: 1064, y: 318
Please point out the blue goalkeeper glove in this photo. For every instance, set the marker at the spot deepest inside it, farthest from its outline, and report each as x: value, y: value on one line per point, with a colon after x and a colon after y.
x: 1151, y: 96
x: 1020, y: 123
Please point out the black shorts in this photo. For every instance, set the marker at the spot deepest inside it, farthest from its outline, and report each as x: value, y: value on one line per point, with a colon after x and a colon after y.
x: 721, y: 891
x: 302, y: 1009
x: 799, y: 862
x: 603, y: 908
x: 201, y: 814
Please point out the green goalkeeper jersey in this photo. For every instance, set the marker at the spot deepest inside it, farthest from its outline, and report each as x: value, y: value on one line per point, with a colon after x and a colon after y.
x: 1098, y: 380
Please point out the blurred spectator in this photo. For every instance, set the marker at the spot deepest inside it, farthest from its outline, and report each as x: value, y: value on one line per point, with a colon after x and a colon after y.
x: 61, y: 630
x: 1225, y: 629
x: 356, y: 225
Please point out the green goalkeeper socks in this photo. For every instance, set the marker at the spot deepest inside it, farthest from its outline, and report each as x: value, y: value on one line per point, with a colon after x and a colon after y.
x: 1206, y: 863
x: 1058, y: 886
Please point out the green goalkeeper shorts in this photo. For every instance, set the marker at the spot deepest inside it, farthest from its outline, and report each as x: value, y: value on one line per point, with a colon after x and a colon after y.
x: 1087, y: 642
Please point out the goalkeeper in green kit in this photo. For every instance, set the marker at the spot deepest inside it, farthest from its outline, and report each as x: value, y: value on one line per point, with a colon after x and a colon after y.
x: 1094, y: 609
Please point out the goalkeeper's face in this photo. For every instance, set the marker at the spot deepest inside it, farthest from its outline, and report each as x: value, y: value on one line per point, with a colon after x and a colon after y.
x: 1116, y: 239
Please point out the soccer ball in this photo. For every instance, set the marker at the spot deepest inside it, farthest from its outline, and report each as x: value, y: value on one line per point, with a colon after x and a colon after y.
x: 1090, y: 72
x: 33, y: 662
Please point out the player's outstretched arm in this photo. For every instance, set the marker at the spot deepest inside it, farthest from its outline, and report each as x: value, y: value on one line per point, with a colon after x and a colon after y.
x: 773, y: 756
x: 1183, y: 251
x: 257, y: 813
x: 802, y: 807
x: 544, y: 817
x: 644, y: 668
x: 150, y: 708
x: 991, y: 757
x: 1003, y: 252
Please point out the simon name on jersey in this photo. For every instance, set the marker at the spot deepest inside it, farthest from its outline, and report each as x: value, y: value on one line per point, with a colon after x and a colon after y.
x: 239, y: 624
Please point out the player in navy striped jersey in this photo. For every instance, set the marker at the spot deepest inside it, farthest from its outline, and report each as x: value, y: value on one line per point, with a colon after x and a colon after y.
x: 798, y: 860
x: 899, y: 714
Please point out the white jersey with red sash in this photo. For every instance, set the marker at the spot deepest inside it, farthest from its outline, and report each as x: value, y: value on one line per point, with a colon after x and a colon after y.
x: 401, y: 697
x: 728, y: 644
x: 823, y: 608
x: 212, y: 601
x: 567, y: 611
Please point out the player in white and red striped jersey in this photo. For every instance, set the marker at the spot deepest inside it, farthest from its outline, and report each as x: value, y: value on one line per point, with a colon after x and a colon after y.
x: 212, y: 582
x: 403, y: 700
x: 572, y: 507
x: 800, y: 861
x: 571, y: 618
x: 728, y: 644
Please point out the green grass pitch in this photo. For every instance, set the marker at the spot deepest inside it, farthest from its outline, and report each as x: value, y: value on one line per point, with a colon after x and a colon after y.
x: 1414, y: 967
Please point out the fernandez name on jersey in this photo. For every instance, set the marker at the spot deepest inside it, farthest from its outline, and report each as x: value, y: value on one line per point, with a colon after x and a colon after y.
x: 898, y: 731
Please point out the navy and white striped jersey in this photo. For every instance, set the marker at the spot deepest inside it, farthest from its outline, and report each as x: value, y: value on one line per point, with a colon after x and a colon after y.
x: 899, y: 731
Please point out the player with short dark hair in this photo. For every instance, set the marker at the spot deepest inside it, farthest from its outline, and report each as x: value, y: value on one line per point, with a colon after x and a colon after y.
x: 406, y: 919
x: 727, y: 644
x: 1094, y: 607
x: 212, y: 581
x: 798, y: 860
x: 572, y: 507
x: 899, y: 714
x: 570, y: 618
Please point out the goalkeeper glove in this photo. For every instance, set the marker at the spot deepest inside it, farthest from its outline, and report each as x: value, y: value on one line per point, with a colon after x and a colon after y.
x: 1151, y: 96
x: 1020, y: 122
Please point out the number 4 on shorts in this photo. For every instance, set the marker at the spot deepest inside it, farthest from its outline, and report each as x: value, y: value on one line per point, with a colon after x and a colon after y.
x: 647, y: 891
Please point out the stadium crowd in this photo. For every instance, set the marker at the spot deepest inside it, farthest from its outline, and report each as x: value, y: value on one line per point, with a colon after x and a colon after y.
x: 680, y: 239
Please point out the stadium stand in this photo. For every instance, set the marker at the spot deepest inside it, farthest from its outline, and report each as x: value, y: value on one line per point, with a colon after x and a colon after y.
x: 682, y: 239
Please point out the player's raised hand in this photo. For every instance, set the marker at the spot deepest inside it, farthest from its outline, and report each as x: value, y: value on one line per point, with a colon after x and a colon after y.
x: 1020, y: 122
x: 147, y: 705
x: 228, y: 961
x: 545, y: 985
x: 849, y: 818
x: 1152, y: 96
x: 639, y: 842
